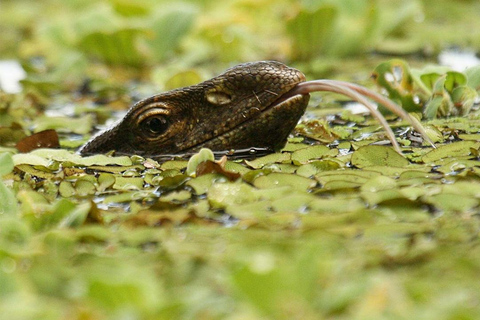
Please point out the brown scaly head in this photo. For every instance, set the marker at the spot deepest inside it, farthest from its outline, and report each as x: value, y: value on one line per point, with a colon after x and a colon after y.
x: 241, y: 108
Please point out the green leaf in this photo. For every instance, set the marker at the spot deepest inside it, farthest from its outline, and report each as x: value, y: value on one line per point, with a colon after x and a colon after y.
x: 66, y: 189
x: 262, y: 285
x: 429, y: 79
x: 127, y: 196
x: 116, y: 48
x: 130, y: 8
x: 473, y: 77
x: 378, y: 183
x: 43, y: 157
x: 6, y: 163
x: 221, y: 195
x: 8, y: 205
x: 426, y: 77
x: 82, y: 125
x: 435, y: 105
x: 203, y: 155
x: 310, y: 31
x: 275, y: 180
x: 452, y: 202
x: 455, y: 149
x: 337, y: 205
x: 294, y: 201
x: 105, y: 181
x: 177, y: 196
x: 395, y: 77
x: 372, y: 155
x: 128, y: 183
x: 84, y: 187
x: 304, y: 155
x: 463, y: 99
x: 174, y: 165
x: 315, y: 167
x: 183, y: 79
x: 117, y: 287
x: 344, y: 179
x: 268, y: 159
x: 170, y: 26
x: 202, y: 184
x: 454, y: 79
x: 450, y: 96
x: 14, y: 234
x: 75, y: 216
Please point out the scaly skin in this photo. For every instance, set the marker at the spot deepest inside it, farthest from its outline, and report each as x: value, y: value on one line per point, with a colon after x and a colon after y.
x: 238, y: 109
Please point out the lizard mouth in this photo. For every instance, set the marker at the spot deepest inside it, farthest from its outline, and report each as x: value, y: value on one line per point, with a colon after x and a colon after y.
x: 293, y: 93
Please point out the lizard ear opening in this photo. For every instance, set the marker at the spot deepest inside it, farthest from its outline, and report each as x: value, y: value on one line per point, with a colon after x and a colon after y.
x: 218, y: 97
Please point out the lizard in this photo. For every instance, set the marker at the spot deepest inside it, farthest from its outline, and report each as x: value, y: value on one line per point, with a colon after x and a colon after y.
x: 251, y: 105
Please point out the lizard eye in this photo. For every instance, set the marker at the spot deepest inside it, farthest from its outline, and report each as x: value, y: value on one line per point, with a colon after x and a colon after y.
x: 154, y: 125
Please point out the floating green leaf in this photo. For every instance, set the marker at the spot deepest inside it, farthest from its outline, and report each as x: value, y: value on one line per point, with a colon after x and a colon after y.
x: 178, y: 196
x: 81, y: 125
x: 225, y: 194
x: 174, y: 164
x: 337, y: 205
x: 66, y: 189
x: 303, y: 156
x: 271, y: 158
x: 372, y: 155
x: 14, y: 236
x: 202, y: 184
x: 105, y: 180
x: 473, y: 77
x: 378, y: 183
x: 452, y: 202
x: 116, y: 47
x: 395, y: 77
x: 42, y: 157
x: 84, y: 187
x: 131, y: 7
x: 202, y: 156
x: 6, y: 163
x: 127, y: 183
x: 8, y: 204
x: 311, y: 30
x: 463, y: 99
x: 456, y: 149
x: 344, y: 179
x: 170, y: 25
x: 294, y: 201
x: 274, y: 180
x: 126, y: 196
x: 315, y: 167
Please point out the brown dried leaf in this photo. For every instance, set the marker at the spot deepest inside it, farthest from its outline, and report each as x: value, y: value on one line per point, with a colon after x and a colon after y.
x: 43, y: 139
x: 216, y: 167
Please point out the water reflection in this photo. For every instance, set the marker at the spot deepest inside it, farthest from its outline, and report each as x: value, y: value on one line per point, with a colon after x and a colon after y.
x: 11, y: 73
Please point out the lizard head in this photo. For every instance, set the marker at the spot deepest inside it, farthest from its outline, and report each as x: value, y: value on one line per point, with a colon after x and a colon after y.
x: 241, y: 108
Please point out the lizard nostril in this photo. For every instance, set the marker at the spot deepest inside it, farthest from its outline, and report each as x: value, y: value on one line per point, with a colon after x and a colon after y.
x: 218, y: 97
